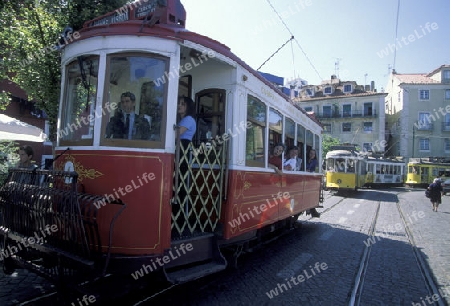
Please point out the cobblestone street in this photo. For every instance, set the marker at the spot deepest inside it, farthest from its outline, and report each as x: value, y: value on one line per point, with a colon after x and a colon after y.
x: 319, y: 262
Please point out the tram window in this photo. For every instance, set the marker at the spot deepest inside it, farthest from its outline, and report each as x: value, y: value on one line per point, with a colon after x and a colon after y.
x: 362, y: 168
x: 301, y: 143
x: 275, y: 126
x: 378, y: 168
x: 210, y: 115
x: 317, y: 145
x: 289, y: 132
x: 255, y: 135
x: 309, y: 139
x: 78, y: 112
x: 185, y: 86
x: 413, y: 170
x: 330, y: 165
x: 351, y: 166
x: 139, y: 78
x: 434, y: 171
x: 340, y: 165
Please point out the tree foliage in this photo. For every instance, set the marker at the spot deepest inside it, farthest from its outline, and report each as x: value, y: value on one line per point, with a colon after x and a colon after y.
x: 327, y: 142
x: 8, y: 158
x: 29, y: 35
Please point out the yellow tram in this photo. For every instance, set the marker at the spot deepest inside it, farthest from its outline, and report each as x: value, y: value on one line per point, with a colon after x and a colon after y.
x: 422, y: 171
x: 348, y: 169
x: 345, y: 169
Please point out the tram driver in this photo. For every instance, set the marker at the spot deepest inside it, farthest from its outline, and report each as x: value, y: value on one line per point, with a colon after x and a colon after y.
x: 126, y: 124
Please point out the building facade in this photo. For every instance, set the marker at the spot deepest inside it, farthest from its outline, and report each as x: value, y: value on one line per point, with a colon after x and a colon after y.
x: 349, y: 112
x: 418, y: 113
x: 24, y: 110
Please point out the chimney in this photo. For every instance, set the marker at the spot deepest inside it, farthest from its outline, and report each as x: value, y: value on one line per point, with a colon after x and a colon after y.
x: 372, y: 85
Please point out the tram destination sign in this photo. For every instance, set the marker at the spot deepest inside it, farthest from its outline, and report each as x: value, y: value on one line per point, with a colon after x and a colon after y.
x: 135, y: 10
x: 148, y: 8
x: 110, y: 19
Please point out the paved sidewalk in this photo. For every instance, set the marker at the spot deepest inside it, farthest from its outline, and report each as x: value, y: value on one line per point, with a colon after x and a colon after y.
x: 431, y: 233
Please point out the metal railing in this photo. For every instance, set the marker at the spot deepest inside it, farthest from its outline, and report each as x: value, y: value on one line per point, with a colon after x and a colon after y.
x: 44, y: 209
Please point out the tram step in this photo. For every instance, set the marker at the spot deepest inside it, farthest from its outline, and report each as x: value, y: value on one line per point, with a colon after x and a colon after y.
x: 194, y: 272
x: 194, y: 249
x: 202, y: 257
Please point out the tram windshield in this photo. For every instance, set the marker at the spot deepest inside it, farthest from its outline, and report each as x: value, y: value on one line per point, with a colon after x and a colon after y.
x: 134, y: 100
x: 136, y: 85
x: 78, y: 118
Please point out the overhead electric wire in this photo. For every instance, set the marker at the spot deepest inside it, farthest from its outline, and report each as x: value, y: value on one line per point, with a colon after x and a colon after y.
x: 275, y: 53
x: 298, y: 44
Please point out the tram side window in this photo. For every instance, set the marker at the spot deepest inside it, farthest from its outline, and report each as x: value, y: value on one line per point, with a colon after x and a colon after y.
x: 275, y: 127
x: 137, y: 85
x: 210, y: 115
x: 413, y: 170
x: 300, y: 144
x: 78, y: 113
x: 351, y: 166
x: 317, y: 145
x: 289, y: 133
x: 255, y: 134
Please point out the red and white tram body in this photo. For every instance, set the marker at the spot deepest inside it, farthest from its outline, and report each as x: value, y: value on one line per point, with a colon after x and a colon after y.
x: 146, y: 50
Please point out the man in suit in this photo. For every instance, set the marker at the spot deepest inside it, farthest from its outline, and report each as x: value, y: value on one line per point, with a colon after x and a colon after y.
x: 125, y: 123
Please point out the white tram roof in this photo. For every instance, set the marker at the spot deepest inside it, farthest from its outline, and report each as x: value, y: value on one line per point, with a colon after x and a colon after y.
x: 344, y: 154
x: 444, y: 161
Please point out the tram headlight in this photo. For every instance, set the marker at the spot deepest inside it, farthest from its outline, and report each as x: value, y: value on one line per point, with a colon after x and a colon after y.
x: 339, y: 181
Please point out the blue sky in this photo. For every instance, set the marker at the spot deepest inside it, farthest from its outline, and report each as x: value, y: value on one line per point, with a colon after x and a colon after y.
x: 360, y: 34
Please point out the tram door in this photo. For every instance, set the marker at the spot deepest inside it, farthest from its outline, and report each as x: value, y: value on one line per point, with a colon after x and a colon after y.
x: 424, y: 174
x: 200, y: 186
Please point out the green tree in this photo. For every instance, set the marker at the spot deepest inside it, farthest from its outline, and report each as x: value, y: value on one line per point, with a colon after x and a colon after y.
x: 8, y: 158
x: 30, y: 37
x: 327, y: 142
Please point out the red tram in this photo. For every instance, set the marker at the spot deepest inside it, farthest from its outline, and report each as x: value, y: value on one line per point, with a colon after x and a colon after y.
x: 118, y: 205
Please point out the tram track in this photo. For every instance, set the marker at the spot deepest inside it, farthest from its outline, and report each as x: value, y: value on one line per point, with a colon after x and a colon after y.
x: 364, y: 263
x: 356, y: 293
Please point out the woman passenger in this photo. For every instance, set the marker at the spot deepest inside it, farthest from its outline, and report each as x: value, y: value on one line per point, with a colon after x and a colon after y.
x: 275, y: 161
x: 311, y: 162
x: 187, y: 125
x: 187, y: 128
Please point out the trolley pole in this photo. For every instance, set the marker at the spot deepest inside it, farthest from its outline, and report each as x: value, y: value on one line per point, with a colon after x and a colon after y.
x: 412, y: 155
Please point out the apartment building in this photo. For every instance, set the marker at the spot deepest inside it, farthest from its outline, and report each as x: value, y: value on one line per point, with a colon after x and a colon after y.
x: 349, y: 112
x: 417, y: 109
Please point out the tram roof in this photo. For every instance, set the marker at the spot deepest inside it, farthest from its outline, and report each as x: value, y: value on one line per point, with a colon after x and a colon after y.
x: 344, y: 154
x: 445, y: 161
x: 134, y: 18
x: 384, y: 160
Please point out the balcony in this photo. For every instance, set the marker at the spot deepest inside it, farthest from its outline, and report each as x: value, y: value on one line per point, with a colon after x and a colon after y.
x: 365, y: 114
x: 328, y: 115
x: 352, y: 114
